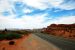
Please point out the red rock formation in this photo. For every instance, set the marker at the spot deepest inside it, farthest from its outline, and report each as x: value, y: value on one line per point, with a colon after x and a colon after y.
x: 64, y: 30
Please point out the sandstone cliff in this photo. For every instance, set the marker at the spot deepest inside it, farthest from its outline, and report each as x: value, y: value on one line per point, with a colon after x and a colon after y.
x: 64, y: 30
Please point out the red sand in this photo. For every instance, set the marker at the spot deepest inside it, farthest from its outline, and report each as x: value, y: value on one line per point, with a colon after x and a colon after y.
x: 31, y: 42
x: 5, y: 43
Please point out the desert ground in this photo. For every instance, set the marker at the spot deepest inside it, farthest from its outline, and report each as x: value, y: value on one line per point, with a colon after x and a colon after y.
x: 31, y: 42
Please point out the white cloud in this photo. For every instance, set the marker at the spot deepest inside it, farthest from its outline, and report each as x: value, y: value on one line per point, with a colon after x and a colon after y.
x: 61, y: 20
x: 24, y: 22
x: 65, y: 20
x: 6, y: 22
x: 36, y: 21
x: 44, y: 4
x: 39, y: 4
x: 27, y: 22
x: 26, y: 10
x: 4, y: 5
x: 68, y: 6
x: 36, y: 4
x: 55, y: 3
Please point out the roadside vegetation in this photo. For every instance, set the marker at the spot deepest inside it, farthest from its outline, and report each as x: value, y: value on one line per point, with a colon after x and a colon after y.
x: 10, y: 35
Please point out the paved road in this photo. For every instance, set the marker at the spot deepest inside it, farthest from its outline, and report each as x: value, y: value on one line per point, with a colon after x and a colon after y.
x: 62, y: 43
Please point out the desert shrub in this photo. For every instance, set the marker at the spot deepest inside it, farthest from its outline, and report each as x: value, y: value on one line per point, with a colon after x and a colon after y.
x: 23, y: 32
x: 11, y: 36
x: 11, y: 43
x: 2, y: 36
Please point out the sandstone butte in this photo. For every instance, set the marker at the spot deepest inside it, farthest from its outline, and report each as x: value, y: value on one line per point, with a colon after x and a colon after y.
x: 63, y: 30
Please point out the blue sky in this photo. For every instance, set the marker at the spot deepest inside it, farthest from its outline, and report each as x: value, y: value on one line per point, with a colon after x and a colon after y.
x: 29, y: 14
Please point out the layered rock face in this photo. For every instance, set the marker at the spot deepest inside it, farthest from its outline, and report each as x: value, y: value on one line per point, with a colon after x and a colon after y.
x: 64, y: 30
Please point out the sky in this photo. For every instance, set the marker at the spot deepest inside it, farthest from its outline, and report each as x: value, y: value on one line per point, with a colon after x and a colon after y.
x: 31, y: 14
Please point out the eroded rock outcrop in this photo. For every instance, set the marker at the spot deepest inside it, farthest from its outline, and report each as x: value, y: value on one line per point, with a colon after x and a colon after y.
x: 64, y: 30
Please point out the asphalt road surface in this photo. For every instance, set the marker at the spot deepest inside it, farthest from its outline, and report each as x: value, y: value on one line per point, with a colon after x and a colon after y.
x: 63, y: 44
